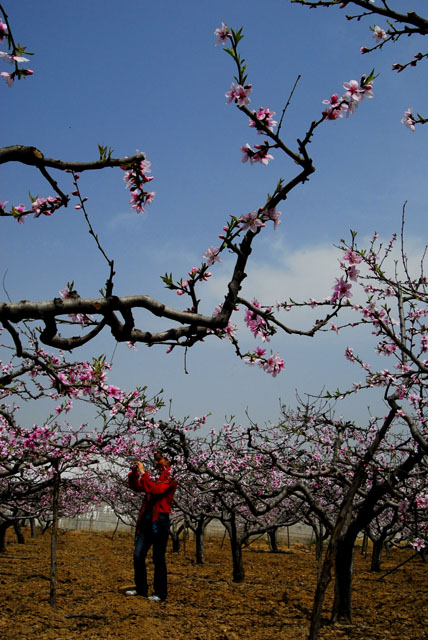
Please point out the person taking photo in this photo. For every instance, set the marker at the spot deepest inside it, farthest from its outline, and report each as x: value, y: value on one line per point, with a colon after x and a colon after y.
x: 152, y: 527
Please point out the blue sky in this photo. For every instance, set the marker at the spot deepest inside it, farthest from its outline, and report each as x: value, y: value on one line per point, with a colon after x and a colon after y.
x: 146, y: 75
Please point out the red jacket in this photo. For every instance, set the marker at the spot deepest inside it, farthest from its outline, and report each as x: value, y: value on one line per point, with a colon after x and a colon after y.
x: 159, y: 493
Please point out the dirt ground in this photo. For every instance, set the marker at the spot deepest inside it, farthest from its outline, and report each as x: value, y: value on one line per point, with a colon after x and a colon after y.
x: 94, y: 571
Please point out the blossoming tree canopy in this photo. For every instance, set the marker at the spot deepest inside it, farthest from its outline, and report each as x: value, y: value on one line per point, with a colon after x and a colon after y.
x: 239, y: 237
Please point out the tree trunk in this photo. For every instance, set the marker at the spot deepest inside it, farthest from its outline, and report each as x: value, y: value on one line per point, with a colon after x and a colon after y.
x: 365, y: 544
x: 200, y: 542
x: 319, y: 547
x: 342, y: 526
x: 236, y: 548
x: 54, y: 533
x: 18, y: 532
x: 344, y: 563
x: 273, y: 540
x: 175, y: 537
x: 3, y: 528
x: 377, y: 555
x: 33, y: 527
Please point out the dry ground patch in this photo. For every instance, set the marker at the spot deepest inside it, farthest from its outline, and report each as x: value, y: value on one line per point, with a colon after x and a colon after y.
x: 95, y: 569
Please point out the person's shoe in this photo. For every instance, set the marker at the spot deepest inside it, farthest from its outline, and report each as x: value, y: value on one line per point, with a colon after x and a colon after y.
x: 134, y: 592
x: 154, y: 599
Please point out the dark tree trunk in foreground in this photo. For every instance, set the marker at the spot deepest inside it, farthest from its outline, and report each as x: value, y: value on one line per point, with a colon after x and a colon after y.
x: 175, y: 537
x: 33, y: 527
x: 236, y: 548
x: 341, y: 532
x: 4, y: 526
x: 273, y: 540
x: 377, y: 554
x: 54, y: 533
x: 344, y: 564
x: 200, y: 541
x: 18, y: 532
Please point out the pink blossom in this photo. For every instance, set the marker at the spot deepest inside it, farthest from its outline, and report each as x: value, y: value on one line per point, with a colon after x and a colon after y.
x: 114, y: 392
x: 274, y: 365
x: 238, y: 94
x: 211, y: 255
x: 353, y: 273
x: 46, y: 206
x: 3, y: 31
x: 274, y: 215
x: 353, y: 90
x: 252, y: 221
x: 64, y: 293
x: 366, y: 91
x: 352, y: 257
x: 349, y: 353
x: 230, y: 331
x: 247, y: 152
x: 333, y: 101
x: 6, y: 57
x: 334, y: 110
x: 418, y: 544
x: 8, y: 78
x: 256, y: 323
x: 221, y: 33
x: 135, y: 178
x: 262, y: 155
x: 265, y: 116
x: 341, y: 289
x: 379, y: 34
x: 408, y: 120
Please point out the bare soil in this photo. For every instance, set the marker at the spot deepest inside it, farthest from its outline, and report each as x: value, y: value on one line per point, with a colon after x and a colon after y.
x: 94, y: 570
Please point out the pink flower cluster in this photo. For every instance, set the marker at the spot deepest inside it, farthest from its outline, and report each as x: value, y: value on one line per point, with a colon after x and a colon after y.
x: 40, y: 206
x: 13, y: 59
x: 239, y: 94
x: 79, y: 318
x: 195, y: 275
x: 354, y: 94
x: 257, y: 324
x: 265, y: 116
x: 251, y: 221
x: 342, y: 288
x: 272, y: 365
x: 257, y: 219
x: 46, y: 206
x: 136, y: 178
x: 260, y: 154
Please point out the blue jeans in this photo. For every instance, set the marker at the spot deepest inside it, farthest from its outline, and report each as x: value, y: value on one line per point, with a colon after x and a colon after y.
x: 156, y: 534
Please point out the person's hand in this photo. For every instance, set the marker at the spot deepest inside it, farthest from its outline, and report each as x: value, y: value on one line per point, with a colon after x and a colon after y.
x: 137, y: 465
x: 140, y: 466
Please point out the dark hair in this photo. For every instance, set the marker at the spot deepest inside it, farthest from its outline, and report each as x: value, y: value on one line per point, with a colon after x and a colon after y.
x: 167, y: 453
